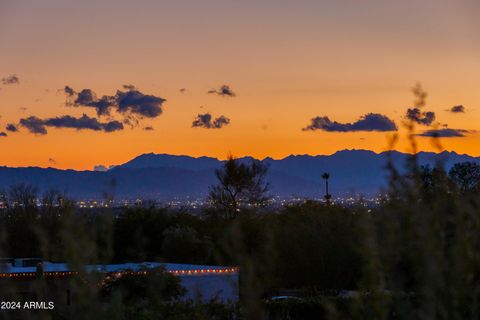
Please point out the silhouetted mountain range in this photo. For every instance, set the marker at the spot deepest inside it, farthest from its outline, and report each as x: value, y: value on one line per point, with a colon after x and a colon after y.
x: 162, y: 176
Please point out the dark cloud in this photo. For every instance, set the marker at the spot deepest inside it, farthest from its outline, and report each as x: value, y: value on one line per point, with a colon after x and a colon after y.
x: 183, y: 90
x: 131, y: 121
x: 457, y: 109
x: 34, y: 125
x: 368, y: 122
x: 69, y: 91
x: 87, y: 98
x: 205, y: 121
x: 52, y: 161
x: 111, y: 126
x: 224, y: 91
x: 140, y: 104
x: 221, y: 121
x: 425, y: 118
x: 11, y: 127
x: 148, y: 128
x: 83, y: 123
x: 11, y: 79
x: 3, y: 134
x: 445, y: 133
x: 129, y: 87
x: 130, y: 103
x: 38, y: 126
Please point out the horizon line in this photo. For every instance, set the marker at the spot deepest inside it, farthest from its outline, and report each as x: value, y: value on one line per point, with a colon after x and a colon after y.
x: 241, y: 157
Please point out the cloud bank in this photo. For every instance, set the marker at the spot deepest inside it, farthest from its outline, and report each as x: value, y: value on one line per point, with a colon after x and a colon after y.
x: 368, y: 122
x: 445, y: 133
x: 39, y: 126
x: 130, y: 103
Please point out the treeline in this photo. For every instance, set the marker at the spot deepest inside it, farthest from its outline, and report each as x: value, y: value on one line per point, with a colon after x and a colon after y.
x: 305, y: 245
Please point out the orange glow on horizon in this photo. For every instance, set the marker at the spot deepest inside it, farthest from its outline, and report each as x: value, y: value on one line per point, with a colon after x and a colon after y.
x: 287, y: 63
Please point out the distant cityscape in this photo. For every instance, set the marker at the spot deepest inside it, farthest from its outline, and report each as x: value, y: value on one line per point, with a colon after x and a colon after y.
x: 199, y: 204
x: 192, y: 204
x: 183, y: 181
x: 274, y: 202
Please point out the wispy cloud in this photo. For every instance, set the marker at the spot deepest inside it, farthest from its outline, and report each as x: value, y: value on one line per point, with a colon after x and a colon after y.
x: 11, y: 79
x: 457, y: 109
x: 224, y: 91
x: 445, y: 133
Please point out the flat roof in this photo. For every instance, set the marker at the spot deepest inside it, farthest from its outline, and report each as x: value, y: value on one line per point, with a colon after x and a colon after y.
x: 59, y: 269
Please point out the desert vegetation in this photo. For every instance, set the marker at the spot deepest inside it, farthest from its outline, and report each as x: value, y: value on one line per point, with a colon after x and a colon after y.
x: 414, y: 256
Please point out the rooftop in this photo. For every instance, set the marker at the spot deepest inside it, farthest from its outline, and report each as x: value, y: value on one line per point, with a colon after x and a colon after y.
x: 28, y: 267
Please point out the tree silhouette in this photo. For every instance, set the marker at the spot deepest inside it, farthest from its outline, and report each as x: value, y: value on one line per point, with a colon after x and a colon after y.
x: 326, y: 177
x: 466, y: 175
x: 23, y: 196
x: 239, y: 185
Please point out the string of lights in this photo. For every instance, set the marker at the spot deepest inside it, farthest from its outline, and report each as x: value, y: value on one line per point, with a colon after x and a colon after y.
x: 121, y: 273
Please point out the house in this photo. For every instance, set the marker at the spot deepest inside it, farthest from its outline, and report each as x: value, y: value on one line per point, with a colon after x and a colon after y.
x: 201, y: 282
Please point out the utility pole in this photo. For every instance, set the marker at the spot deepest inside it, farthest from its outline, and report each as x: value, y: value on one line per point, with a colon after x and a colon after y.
x: 327, y: 196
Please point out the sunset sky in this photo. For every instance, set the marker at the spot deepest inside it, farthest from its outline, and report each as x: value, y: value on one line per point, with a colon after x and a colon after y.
x: 285, y: 62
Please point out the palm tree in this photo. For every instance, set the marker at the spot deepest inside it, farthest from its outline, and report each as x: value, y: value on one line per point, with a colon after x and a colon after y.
x: 326, y: 176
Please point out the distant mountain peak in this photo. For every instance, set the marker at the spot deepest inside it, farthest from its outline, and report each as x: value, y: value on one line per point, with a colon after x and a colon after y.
x: 162, y: 176
x: 152, y: 160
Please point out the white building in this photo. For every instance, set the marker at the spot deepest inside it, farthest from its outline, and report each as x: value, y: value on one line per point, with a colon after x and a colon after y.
x: 203, y: 283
